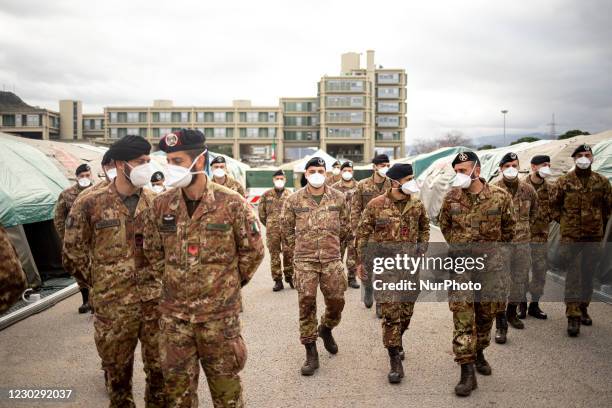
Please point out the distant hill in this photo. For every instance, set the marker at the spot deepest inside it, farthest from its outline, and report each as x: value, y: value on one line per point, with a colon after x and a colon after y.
x: 498, y: 140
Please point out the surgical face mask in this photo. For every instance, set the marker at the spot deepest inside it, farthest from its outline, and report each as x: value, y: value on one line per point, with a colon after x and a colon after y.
x: 410, y: 187
x: 335, y: 171
x: 383, y: 171
x: 84, y: 182
x: 347, y: 175
x: 279, y: 184
x: 544, y: 171
x: 157, y: 189
x: 463, y: 180
x: 510, y: 173
x: 111, y: 174
x: 583, y: 163
x: 140, y: 175
x: 316, y: 180
x: 179, y: 176
x: 218, y: 173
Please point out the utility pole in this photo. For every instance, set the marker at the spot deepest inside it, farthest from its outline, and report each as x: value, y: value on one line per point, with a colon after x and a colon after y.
x: 504, y: 111
x: 553, y: 131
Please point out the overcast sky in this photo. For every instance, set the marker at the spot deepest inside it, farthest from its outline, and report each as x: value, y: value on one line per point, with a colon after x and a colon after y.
x: 466, y: 60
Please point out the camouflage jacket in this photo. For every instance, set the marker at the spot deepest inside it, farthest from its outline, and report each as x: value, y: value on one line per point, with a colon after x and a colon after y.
x: 12, y: 278
x: 232, y: 184
x: 203, y: 260
x: 64, y: 203
x: 525, y: 203
x: 321, y: 228
x: 330, y: 179
x: 365, y: 191
x: 270, y: 208
x: 583, y: 212
x: 103, y: 246
x: 347, y: 188
x: 490, y: 217
x: 543, y: 217
x: 382, y: 221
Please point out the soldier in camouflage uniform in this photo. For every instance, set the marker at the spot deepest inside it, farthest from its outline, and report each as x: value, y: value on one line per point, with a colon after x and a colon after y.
x: 13, y: 280
x: 318, y: 215
x: 219, y: 171
x: 581, y: 204
x: 157, y: 182
x: 204, y: 243
x: 525, y: 203
x: 270, y: 209
x: 366, y: 190
x: 348, y: 185
x: 333, y: 176
x: 103, y: 246
x: 473, y: 217
x: 540, y: 170
x: 64, y: 203
x: 395, y: 217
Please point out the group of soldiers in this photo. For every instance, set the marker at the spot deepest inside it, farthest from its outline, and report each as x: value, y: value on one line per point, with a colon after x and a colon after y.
x: 166, y: 267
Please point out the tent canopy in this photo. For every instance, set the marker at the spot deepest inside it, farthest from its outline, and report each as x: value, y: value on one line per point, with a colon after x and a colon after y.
x: 298, y: 165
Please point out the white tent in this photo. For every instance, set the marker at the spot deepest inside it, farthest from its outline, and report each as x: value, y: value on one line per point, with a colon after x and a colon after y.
x: 298, y: 165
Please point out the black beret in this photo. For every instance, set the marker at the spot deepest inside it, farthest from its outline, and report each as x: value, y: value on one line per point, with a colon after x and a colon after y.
x: 129, y: 147
x: 465, y: 157
x: 582, y: 148
x: 315, y: 161
x: 106, y: 159
x: 399, y: 171
x: 539, y: 159
x: 218, y: 159
x: 157, y: 176
x: 346, y: 164
x: 336, y: 163
x: 303, y: 180
x: 82, y: 169
x: 508, y: 157
x: 184, y: 139
x: 279, y: 173
x: 380, y: 158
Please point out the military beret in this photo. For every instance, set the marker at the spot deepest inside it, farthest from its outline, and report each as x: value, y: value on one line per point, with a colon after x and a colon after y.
x: 539, y: 159
x: 157, y: 176
x: 346, y: 164
x: 279, y: 172
x: 129, y: 147
x: 336, y: 163
x: 218, y: 159
x: 380, y: 158
x: 184, y: 139
x: 82, y: 169
x: 106, y: 159
x: 315, y: 161
x: 399, y: 171
x: 582, y: 148
x: 508, y: 157
x: 303, y: 180
x: 465, y: 157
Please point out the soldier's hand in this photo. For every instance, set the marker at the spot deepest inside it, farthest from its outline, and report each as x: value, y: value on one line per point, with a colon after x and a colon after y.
x: 361, y: 272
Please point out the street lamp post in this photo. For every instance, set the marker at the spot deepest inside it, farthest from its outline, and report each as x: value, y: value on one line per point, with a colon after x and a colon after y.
x: 504, y: 111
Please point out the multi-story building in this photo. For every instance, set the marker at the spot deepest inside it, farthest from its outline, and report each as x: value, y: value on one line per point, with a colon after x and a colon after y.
x: 19, y: 118
x: 301, y: 127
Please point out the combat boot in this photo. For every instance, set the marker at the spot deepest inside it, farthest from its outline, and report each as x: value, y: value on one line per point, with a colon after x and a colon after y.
x: 535, y: 311
x: 352, y: 282
x: 328, y: 340
x: 368, y: 296
x: 522, y: 314
x: 585, y: 319
x: 312, y: 359
x: 482, y: 366
x: 84, y: 308
x: 501, y: 327
x: 513, y: 318
x: 397, y: 370
x: 278, y: 285
x: 401, y: 353
x: 378, y: 310
x: 467, y: 383
x: 573, y: 326
x: 289, y: 280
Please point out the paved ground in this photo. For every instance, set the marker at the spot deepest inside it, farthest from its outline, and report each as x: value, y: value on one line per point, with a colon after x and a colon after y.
x: 539, y: 366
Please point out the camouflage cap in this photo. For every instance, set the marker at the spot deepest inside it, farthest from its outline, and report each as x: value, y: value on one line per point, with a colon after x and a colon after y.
x: 184, y: 139
x: 581, y: 149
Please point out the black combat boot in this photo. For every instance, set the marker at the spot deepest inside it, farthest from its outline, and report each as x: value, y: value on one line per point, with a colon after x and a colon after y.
x: 522, y: 307
x: 467, y: 383
x: 513, y: 318
x: 585, y: 319
x: 501, y: 327
x: 397, y: 370
x: 352, y: 282
x: 84, y: 308
x: 535, y: 311
x: 378, y: 310
x: 312, y: 359
x: 289, y: 280
x: 368, y: 295
x: 573, y: 326
x: 328, y: 340
x: 482, y: 366
x: 278, y: 285
x: 401, y: 352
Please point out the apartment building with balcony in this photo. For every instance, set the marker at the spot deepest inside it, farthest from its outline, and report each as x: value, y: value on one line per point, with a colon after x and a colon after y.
x: 301, y: 127
x: 19, y: 118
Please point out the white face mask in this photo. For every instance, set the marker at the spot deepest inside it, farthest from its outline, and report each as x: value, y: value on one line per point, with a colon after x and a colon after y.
x: 463, y: 180
x: 157, y: 189
x: 335, y: 171
x: 583, y: 163
x: 410, y: 187
x: 141, y: 175
x: 510, y: 173
x: 218, y: 173
x: 84, y: 182
x: 111, y: 174
x: 279, y: 184
x: 383, y: 171
x: 544, y: 171
x: 179, y: 176
x: 347, y: 175
x: 316, y: 180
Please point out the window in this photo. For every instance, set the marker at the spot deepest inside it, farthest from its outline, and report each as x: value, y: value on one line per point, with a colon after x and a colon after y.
x: 219, y: 117
x: 200, y: 117
x: 180, y: 117
x: 388, y: 92
x: 292, y: 135
x: 219, y: 132
x: 390, y: 136
x: 113, y: 117
x: 132, y: 117
x: 388, y: 78
x: 387, y: 121
x: 300, y: 106
x: 121, y: 117
x: 32, y: 120
x: 8, y: 120
x: 388, y: 106
x: 252, y: 117
x: 137, y: 131
x: 344, y: 85
x: 345, y: 132
x: 345, y: 101
x: 352, y: 117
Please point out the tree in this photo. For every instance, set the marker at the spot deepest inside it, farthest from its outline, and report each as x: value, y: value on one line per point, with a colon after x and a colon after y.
x: 486, y: 147
x: 451, y: 139
x: 572, y: 133
x: 527, y: 139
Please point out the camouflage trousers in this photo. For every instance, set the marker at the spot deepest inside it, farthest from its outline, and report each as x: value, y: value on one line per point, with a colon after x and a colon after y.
x: 117, y: 331
x: 308, y: 277
x: 275, y: 247
x: 539, y: 266
x: 472, y: 332
x: 217, y: 345
x: 395, y: 321
x: 348, y: 247
x: 580, y: 260
x: 520, y: 263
